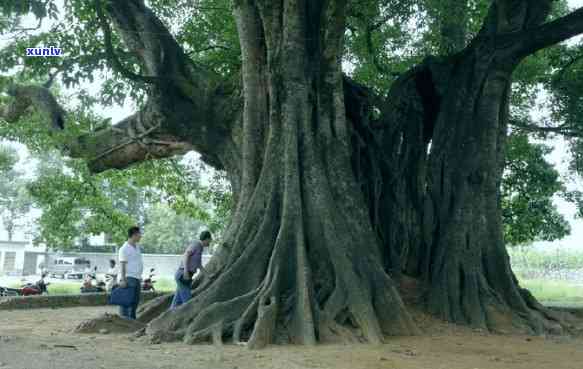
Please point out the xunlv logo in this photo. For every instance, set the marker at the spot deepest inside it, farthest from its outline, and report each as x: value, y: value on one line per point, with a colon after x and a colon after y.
x: 43, y: 51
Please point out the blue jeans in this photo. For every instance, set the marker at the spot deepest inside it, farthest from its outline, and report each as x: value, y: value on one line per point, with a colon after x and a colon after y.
x: 129, y: 312
x: 183, y: 293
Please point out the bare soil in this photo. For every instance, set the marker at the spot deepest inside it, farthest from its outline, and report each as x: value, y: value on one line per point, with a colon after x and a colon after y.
x: 44, y: 339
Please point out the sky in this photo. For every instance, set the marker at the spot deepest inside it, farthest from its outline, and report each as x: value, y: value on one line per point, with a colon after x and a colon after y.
x: 558, y: 157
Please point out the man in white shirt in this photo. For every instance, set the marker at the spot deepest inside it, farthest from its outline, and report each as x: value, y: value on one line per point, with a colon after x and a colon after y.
x: 132, y: 266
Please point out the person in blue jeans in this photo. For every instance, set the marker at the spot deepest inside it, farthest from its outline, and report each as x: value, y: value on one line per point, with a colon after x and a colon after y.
x: 190, y: 264
x: 132, y: 267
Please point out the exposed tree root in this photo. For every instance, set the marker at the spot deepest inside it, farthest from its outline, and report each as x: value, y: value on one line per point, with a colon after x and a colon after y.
x: 110, y: 323
x: 154, y: 308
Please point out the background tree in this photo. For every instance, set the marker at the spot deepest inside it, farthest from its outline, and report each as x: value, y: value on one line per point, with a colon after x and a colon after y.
x: 528, y: 187
x: 76, y: 204
x: 167, y: 232
x: 15, y: 203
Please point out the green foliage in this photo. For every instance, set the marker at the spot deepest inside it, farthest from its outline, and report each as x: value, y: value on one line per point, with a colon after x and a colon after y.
x: 152, y: 194
x: 206, y: 30
x: 528, y: 186
x: 168, y: 232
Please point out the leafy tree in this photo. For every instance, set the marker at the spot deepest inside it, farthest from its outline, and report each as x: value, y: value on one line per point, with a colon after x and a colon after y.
x: 167, y: 232
x: 527, y: 194
x: 76, y: 204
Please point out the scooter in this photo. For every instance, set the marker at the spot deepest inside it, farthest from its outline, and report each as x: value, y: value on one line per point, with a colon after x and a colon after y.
x: 92, y: 285
x: 148, y: 283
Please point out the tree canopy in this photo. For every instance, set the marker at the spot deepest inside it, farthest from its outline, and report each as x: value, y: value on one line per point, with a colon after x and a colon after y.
x: 383, y: 40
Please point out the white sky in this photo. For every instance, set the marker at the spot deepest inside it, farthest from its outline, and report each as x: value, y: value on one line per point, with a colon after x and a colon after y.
x: 558, y: 157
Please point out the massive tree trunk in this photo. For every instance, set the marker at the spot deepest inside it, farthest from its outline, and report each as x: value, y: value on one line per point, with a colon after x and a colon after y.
x: 335, y: 209
x: 440, y: 216
x: 304, y: 263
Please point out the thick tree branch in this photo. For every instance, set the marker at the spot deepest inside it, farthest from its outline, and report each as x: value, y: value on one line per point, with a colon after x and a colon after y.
x: 146, y: 36
x: 25, y: 96
x: 137, y: 138
x: 115, y: 62
x: 562, y: 130
x: 198, y: 105
x: 529, y: 41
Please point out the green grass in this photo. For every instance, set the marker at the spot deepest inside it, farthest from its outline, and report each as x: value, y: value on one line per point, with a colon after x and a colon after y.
x: 555, y: 293
x: 165, y: 285
x: 64, y: 288
x: 58, y: 288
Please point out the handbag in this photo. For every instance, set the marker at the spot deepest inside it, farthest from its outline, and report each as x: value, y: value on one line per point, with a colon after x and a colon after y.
x: 122, y: 296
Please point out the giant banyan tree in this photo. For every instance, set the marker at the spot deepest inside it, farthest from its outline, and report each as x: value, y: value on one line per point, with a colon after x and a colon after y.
x: 341, y: 194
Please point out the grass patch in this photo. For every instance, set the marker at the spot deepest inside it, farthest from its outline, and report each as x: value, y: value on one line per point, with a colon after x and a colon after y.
x: 165, y: 284
x: 64, y: 288
x: 555, y: 293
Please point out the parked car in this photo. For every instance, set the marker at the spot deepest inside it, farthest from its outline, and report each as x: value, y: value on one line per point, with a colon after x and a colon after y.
x: 68, y: 267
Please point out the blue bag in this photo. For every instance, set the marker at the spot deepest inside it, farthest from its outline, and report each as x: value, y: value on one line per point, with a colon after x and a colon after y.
x: 122, y: 296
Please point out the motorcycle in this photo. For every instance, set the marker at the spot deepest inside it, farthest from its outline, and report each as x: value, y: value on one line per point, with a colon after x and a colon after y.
x: 31, y: 289
x: 91, y: 284
x: 148, y: 283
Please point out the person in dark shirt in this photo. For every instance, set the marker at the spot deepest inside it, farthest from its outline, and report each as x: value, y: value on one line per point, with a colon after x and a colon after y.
x: 188, y: 266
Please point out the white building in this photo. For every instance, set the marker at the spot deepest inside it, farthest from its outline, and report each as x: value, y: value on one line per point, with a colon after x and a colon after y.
x: 20, y: 258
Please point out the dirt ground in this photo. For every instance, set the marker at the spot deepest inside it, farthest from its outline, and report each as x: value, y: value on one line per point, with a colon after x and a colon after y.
x: 42, y: 339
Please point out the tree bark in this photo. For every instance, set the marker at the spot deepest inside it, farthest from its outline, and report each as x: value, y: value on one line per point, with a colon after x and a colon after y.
x: 446, y: 150
x: 301, y: 223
